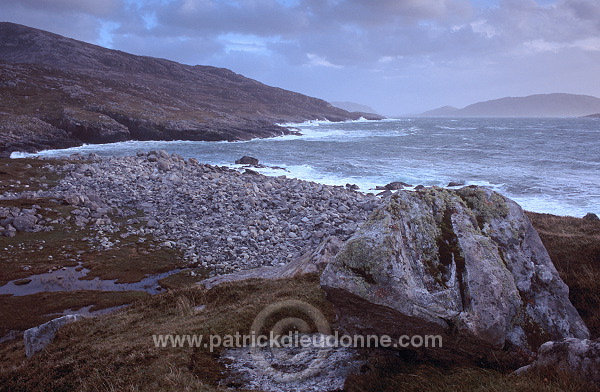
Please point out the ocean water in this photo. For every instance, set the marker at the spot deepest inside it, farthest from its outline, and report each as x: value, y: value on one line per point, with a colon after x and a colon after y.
x: 546, y: 165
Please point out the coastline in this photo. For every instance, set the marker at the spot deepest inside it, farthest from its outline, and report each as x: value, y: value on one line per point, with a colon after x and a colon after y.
x: 143, y: 212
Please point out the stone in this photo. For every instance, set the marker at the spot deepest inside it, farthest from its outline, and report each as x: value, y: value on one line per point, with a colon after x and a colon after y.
x: 395, y: 185
x: 455, y: 183
x: 163, y: 164
x: 312, y: 367
x: 311, y: 262
x: 24, y: 222
x: 591, y: 216
x: 464, y: 264
x: 246, y: 160
x: 577, y: 358
x: 37, y: 338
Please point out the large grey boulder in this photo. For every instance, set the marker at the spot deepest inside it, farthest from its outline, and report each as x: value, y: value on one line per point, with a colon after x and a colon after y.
x: 463, y: 264
x: 577, y: 358
x: 37, y: 338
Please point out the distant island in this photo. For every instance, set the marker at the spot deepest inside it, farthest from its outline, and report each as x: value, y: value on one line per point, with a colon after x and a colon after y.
x: 596, y: 115
x: 539, y: 105
x: 57, y: 92
x: 354, y: 107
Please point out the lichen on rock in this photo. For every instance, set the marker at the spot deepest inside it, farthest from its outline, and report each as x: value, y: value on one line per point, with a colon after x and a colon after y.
x: 465, y: 264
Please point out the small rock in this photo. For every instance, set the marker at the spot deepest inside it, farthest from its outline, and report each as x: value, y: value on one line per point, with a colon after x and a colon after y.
x: 163, y: 165
x: 24, y: 222
x: 591, y: 217
x: 456, y: 183
x: 21, y: 282
x: 393, y: 186
x: 578, y: 358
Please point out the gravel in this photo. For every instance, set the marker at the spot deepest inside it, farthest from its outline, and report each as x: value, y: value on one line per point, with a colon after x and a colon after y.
x: 219, y: 217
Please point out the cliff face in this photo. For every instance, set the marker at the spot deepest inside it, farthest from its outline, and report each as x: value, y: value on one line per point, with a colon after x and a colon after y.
x: 52, y: 85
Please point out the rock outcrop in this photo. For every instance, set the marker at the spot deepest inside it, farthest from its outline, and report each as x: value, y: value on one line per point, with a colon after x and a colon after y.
x: 576, y: 358
x: 465, y: 264
x: 37, y: 338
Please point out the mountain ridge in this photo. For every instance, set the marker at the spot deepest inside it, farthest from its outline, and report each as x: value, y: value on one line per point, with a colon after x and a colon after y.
x: 354, y: 107
x: 59, y: 92
x: 536, y: 105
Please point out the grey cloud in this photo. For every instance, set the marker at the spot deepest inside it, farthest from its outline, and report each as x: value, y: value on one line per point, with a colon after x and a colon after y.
x: 93, y: 7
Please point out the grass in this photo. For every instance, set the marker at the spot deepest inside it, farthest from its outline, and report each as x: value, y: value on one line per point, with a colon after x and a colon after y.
x: 388, y: 374
x: 131, y: 263
x: 574, y: 246
x: 22, y: 312
x: 116, y: 351
x: 28, y: 174
x: 30, y: 253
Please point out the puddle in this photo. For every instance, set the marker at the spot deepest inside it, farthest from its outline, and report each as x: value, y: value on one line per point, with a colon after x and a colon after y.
x: 69, y: 279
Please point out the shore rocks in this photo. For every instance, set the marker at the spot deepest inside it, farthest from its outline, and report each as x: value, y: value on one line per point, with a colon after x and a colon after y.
x: 395, y: 185
x: 219, y: 218
x: 37, y: 338
x: 577, y: 358
x: 312, y: 262
x: 246, y: 160
x: 466, y: 265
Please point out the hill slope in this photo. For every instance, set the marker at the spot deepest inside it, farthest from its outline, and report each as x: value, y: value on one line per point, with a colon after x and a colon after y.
x: 58, y: 92
x: 354, y: 107
x: 539, y: 105
x: 440, y: 112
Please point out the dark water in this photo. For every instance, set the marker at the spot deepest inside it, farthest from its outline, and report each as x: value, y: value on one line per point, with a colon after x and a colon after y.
x: 547, y: 165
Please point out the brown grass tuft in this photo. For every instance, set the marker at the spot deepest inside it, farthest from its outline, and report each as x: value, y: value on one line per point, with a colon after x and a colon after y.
x: 574, y: 246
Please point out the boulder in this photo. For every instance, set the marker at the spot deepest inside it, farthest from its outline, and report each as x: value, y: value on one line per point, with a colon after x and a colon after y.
x: 455, y: 183
x: 25, y: 222
x: 463, y: 264
x: 163, y: 164
x: 37, y: 338
x: 591, y: 216
x: 246, y: 160
x: 577, y: 358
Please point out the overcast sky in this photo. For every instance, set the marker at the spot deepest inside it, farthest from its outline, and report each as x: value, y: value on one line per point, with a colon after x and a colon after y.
x: 398, y: 56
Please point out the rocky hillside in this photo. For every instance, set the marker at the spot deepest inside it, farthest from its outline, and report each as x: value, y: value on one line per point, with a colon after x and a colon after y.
x: 58, y: 92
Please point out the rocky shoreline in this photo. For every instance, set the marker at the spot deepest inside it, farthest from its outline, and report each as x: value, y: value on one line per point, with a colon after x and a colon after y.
x: 466, y: 264
x: 220, y: 218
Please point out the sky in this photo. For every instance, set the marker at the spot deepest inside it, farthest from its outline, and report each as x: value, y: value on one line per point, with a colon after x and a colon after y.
x: 397, y: 56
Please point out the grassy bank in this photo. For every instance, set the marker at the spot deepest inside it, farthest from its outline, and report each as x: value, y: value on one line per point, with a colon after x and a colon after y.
x: 116, y: 352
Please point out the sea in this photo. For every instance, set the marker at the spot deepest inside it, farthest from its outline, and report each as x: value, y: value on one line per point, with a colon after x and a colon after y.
x: 546, y: 165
